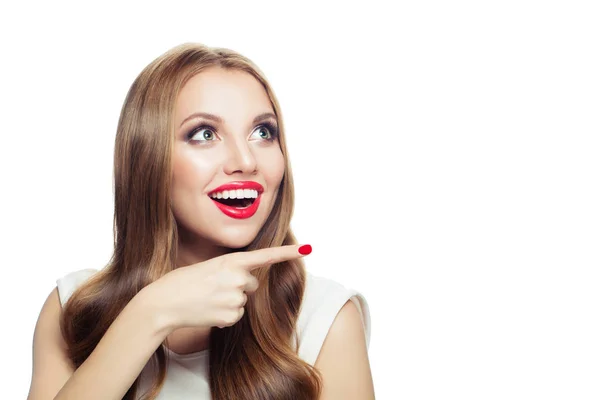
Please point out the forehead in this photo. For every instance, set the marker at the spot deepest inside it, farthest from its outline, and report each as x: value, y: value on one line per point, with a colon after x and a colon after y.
x: 231, y: 94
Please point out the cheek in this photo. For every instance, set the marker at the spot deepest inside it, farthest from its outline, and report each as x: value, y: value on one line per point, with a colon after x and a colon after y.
x: 273, y: 168
x: 190, y: 178
x: 190, y: 171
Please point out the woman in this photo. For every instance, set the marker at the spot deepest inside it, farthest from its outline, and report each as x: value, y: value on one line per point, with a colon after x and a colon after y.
x: 206, y: 295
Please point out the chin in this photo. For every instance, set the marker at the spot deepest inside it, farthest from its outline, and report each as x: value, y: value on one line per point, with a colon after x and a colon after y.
x: 235, y: 238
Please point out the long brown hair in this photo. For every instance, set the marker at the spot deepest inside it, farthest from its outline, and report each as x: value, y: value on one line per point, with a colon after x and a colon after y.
x: 256, y: 358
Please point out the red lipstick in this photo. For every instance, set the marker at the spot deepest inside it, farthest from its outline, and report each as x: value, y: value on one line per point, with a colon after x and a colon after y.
x: 238, y: 212
x: 239, y: 185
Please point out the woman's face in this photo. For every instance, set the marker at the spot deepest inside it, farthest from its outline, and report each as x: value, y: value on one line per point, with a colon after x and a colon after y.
x: 209, y: 153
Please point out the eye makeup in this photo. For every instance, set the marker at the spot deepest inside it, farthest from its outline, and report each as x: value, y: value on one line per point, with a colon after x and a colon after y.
x: 267, y: 124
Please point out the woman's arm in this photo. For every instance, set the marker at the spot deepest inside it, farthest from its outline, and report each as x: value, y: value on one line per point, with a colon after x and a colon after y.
x: 111, y: 368
x: 343, y: 359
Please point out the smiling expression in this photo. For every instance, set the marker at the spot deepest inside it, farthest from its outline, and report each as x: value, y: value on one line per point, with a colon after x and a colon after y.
x: 238, y: 143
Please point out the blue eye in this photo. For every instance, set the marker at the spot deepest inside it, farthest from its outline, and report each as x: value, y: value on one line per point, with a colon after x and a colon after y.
x: 206, y: 133
x: 206, y: 138
x: 271, y: 131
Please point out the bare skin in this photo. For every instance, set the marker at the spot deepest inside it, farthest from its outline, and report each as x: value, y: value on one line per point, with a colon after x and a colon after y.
x: 233, y: 150
x: 211, y: 293
x: 207, y: 287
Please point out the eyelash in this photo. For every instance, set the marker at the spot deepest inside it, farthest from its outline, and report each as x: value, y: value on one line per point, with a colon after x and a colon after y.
x: 269, y: 125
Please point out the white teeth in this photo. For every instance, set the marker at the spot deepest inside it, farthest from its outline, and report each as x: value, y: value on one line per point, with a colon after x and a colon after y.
x: 236, y: 194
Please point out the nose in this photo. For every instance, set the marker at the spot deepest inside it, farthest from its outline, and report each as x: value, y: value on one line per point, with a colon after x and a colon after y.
x: 240, y: 158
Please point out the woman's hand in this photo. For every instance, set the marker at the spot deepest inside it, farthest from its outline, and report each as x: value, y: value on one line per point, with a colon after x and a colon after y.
x: 213, y: 292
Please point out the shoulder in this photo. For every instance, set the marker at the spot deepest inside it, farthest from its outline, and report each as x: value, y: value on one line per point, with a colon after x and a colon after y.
x: 325, y: 301
x: 51, y: 363
x: 68, y: 283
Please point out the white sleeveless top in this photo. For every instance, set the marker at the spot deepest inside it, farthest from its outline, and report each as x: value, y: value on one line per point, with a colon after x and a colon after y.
x: 187, y: 375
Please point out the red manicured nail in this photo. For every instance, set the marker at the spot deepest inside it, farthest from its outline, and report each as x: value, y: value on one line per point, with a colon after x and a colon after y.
x: 306, y: 249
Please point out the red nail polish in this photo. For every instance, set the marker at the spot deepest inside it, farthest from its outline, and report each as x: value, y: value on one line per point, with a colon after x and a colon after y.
x: 306, y: 249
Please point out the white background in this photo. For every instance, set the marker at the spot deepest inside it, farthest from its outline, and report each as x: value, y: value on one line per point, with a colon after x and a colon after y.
x: 445, y: 156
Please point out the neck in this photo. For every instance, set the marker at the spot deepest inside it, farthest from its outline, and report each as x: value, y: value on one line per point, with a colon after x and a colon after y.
x: 192, y: 249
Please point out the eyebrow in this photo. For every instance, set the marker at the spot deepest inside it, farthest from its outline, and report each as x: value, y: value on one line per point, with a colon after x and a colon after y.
x: 258, y: 118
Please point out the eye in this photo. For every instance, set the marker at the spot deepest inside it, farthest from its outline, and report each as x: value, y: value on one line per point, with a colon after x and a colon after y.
x: 206, y: 133
x: 203, y: 133
x: 267, y: 131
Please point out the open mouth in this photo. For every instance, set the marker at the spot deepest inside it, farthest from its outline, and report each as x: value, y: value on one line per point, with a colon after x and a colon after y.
x: 238, y: 203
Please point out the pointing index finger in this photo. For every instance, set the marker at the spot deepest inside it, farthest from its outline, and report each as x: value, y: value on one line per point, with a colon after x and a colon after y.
x: 250, y: 260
